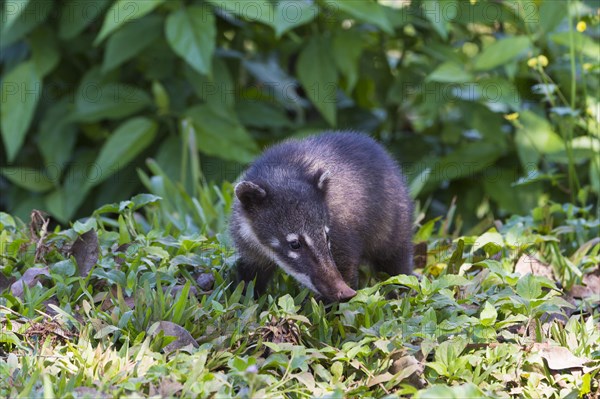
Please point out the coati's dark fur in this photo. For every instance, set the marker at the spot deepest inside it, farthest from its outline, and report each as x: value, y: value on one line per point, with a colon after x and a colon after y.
x: 342, y: 182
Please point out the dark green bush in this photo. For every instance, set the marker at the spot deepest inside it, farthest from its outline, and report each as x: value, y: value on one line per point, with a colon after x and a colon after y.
x: 495, y: 103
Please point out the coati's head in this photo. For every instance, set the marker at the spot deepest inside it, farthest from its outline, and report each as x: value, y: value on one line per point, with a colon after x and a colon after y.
x: 288, y: 222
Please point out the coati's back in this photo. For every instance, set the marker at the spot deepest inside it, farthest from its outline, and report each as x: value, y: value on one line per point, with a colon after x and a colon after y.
x: 338, y: 197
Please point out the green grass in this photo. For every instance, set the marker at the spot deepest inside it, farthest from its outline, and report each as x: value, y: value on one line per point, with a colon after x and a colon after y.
x: 157, y: 313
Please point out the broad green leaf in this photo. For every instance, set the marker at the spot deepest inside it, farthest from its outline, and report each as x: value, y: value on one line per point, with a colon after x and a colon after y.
x: 123, y: 11
x: 497, y: 90
x: 56, y: 137
x: 488, y: 314
x: 142, y: 200
x: 582, y: 43
x: 499, y: 186
x: 63, y: 202
x: 21, y: 90
x: 438, y: 391
x: 595, y: 174
x: 65, y: 268
x: 286, y: 304
x: 277, y: 81
x: 450, y: 350
x: 44, y: 48
x: 251, y: 10
x: 29, y: 15
x: 424, y: 232
x: 261, y: 114
x: 130, y: 40
x: 551, y: 13
x: 30, y: 179
x: 429, y: 321
x: 535, y: 138
x: 219, y: 134
x: 318, y: 75
x: 440, y: 13
x: 366, y: 10
x: 161, y: 97
x: 439, y: 368
x: 347, y: 48
x: 96, y: 101
x: 76, y: 15
x: 218, y: 90
x: 12, y: 11
x: 403, y: 279
x: 501, y: 52
x: 450, y: 280
x: 464, y: 161
x: 529, y: 287
x: 417, y: 184
x: 191, y: 33
x: 84, y: 227
x: 449, y: 72
x: 290, y: 14
x: 127, y: 141
x: 489, y: 238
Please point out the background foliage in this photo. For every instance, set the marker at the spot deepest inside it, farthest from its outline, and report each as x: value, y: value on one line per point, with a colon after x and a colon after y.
x: 138, y: 300
x: 495, y: 103
x: 492, y: 102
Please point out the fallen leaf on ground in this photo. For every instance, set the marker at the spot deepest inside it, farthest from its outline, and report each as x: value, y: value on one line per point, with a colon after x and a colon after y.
x: 559, y: 357
x: 30, y: 278
x: 531, y: 264
x: 184, y: 338
x: 85, y: 250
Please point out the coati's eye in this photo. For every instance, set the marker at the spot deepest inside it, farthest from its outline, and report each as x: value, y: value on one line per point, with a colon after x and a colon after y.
x: 295, y: 244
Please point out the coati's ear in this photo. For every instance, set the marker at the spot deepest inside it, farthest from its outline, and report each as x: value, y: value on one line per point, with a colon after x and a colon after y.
x: 321, y: 179
x: 248, y: 192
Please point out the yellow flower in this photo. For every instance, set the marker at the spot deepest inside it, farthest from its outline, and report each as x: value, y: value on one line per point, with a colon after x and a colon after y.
x: 542, y: 60
x: 581, y: 26
x: 512, y: 117
x: 532, y: 62
x: 437, y: 269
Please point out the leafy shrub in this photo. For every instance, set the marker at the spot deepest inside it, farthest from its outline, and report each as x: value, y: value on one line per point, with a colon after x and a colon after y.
x: 128, y: 314
x: 493, y: 102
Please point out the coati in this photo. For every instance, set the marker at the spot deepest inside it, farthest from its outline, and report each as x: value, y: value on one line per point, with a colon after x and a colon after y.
x: 317, y: 208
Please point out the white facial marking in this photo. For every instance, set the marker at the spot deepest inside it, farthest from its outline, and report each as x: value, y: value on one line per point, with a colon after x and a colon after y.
x: 248, y: 234
x: 307, y: 240
x: 293, y: 255
x: 322, y: 179
x: 305, y: 281
x: 326, y: 229
x: 274, y: 242
x: 291, y: 237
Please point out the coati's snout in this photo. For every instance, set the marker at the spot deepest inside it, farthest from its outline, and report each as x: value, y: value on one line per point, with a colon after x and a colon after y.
x: 291, y: 231
x: 335, y: 291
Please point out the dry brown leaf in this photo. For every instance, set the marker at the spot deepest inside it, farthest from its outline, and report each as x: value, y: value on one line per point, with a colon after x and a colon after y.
x: 408, y: 367
x: 184, y: 338
x: 380, y: 379
x: 30, y: 278
x: 85, y: 250
x: 205, y: 281
x: 168, y: 388
x: 559, y: 357
x: 531, y: 264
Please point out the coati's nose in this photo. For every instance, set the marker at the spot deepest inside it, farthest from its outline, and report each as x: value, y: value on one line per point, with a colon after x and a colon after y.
x: 343, y: 291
